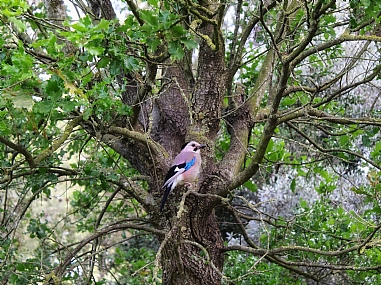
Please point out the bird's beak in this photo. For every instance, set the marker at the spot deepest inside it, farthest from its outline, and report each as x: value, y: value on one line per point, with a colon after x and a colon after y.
x: 201, y: 146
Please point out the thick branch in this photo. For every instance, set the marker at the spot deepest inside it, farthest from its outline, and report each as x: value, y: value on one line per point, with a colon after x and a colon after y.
x: 240, y: 121
x: 154, y: 147
x: 261, y: 252
x: 265, y: 252
x: 58, y: 171
x: 134, y: 9
x: 267, y: 132
x: 57, y: 143
x: 316, y: 114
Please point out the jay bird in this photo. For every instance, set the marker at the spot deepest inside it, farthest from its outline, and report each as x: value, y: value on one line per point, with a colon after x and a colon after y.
x: 184, y: 170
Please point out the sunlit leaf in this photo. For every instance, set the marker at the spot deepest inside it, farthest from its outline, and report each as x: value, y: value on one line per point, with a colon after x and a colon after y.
x: 20, y: 99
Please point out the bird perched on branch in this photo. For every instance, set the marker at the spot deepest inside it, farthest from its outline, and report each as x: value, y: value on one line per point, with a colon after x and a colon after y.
x: 184, y: 170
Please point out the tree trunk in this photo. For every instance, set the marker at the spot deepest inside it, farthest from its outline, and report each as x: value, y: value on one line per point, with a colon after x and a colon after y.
x: 192, y: 249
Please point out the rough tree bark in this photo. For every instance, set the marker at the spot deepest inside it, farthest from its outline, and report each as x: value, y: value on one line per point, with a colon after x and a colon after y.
x: 184, y: 115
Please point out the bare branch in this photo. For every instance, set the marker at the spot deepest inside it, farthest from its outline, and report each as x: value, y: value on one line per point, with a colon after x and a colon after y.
x: 59, y: 271
x: 20, y: 149
x: 334, y: 150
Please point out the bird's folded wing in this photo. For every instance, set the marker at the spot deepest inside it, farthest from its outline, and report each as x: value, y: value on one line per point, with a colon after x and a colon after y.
x: 173, y: 172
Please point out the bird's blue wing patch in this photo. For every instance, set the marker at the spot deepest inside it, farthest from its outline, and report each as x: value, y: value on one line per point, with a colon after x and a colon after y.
x: 189, y: 164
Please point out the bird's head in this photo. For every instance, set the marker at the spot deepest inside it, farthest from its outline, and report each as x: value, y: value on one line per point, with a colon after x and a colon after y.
x: 193, y: 146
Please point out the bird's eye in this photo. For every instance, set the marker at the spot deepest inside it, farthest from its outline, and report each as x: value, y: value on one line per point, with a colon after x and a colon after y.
x: 193, y: 144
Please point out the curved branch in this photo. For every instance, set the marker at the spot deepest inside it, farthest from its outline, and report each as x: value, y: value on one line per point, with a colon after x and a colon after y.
x: 261, y: 252
x: 20, y: 149
x: 241, y: 123
x: 57, y: 143
x: 268, y: 130
x: 59, y: 271
x: 264, y: 253
x: 272, y: 255
x: 135, y: 12
x: 324, y: 150
x: 155, y: 147
x: 308, y: 111
x: 347, y: 88
x: 132, y: 189
x: 97, y: 223
x: 55, y: 170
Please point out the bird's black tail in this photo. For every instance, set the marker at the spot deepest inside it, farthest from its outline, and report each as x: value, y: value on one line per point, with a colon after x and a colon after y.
x: 165, y: 196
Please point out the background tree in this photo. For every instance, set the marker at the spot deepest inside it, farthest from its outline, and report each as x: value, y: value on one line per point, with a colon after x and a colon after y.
x: 101, y: 105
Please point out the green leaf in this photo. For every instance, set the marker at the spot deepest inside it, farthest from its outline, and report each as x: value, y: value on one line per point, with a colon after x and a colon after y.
x: 128, y: 23
x: 303, y: 203
x: 376, y: 151
x: 13, y: 279
x: 153, y: 42
x: 103, y: 25
x: 177, y: 31
x: 124, y: 110
x: 4, y: 128
x: 98, y: 36
x: 293, y: 185
x: 79, y: 27
x: 344, y: 140
x: 175, y: 50
x: 115, y: 67
x: 251, y: 186
x: 103, y: 62
x: 288, y: 101
x: 43, y: 107
x: 329, y: 18
x: 164, y: 16
x: 365, y: 140
x: 189, y: 44
x: 9, y: 69
x: 131, y: 63
x: 93, y: 50
x: 24, y: 62
x: 20, y: 25
x: 148, y: 17
x: 20, y: 100
x: 270, y: 146
x: 87, y: 113
x: 153, y: 2
x: 54, y: 84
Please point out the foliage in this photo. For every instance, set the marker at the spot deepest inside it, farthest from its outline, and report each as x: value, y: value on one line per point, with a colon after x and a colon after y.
x: 92, y: 108
x: 247, y: 269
